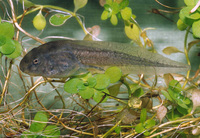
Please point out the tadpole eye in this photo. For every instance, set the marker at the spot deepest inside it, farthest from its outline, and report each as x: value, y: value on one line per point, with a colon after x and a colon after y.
x: 35, y: 61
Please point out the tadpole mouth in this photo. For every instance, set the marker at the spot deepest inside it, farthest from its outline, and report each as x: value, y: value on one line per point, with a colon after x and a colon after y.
x: 22, y: 65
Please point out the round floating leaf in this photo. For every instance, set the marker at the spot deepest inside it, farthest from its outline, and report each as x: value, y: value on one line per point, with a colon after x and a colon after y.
x: 187, y: 17
x: 87, y: 93
x: 126, y: 13
x: 104, y: 15
x: 191, y: 2
x: 2, y: 40
x: 58, y: 19
x: 169, y: 50
x: 17, y: 51
x: 195, y: 15
x: 196, y: 29
x: 52, y: 131
x: 98, y: 95
x: 79, y: 4
x: 8, y: 47
x: 181, y: 25
x: 114, y: 19
x: 102, y: 81
x: 71, y: 85
x: 80, y: 86
x: 91, y: 82
x: 39, y: 21
x: 41, y: 120
x: 114, y: 74
x: 7, y: 30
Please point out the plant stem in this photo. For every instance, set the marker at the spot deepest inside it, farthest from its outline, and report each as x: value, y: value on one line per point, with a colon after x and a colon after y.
x: 186, y: 55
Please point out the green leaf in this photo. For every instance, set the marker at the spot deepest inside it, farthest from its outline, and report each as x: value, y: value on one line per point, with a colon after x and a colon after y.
x: 2, y: 40
x: 182, y: 110
x: 186, y: 100
x: 114, y: 89
x: 114, y: 19
x: 124, y: 4
x: 91, y: 81
x: 139, y: 92
x: 173, y: 114
x: 134, y: 87
x: 181, y: 103
x: 71, y: 85
x: 149, y: 123
x: 170, y: 50
x: 181, y: 25
x: 27, y: 134
x: 195, y: 15
x: 107, y: 7
x: 118, y: 129
x: 9, y: 47
x: 146, y: 133
x: 87, y: 93
x: 139, y: 128
x: 196, y: 29
x: 143, y: 115
x: 126, y: 13
x: 7, y: 30
x: 114, y: 73
x: 187, y: 17
x: 79, y: 4
x: 109, y: 2
x: 103, y: 81
x: 17, y: 52
x: 133, y: 32
x: 80, y: 85
x: 41, y: 122
x: 115, y: 8
x: 190, y: 2
x: 98, y: 95
x: 104, y: 15
x: 39, y: 21
x: 173, y: 94
x: 175, y: 85
x: 59, y: 19
x: 52, y: 131
x: 166, y: 94
x: 27, y: 3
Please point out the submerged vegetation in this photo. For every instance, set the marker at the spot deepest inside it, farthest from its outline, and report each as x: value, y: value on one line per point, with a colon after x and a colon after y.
x: 108, y: 104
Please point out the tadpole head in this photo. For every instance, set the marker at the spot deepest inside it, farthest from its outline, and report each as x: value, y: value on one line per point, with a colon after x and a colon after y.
x: 53, y: 60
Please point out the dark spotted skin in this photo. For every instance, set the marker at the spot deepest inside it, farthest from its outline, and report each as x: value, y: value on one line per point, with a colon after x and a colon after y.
x: 66, y: 58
